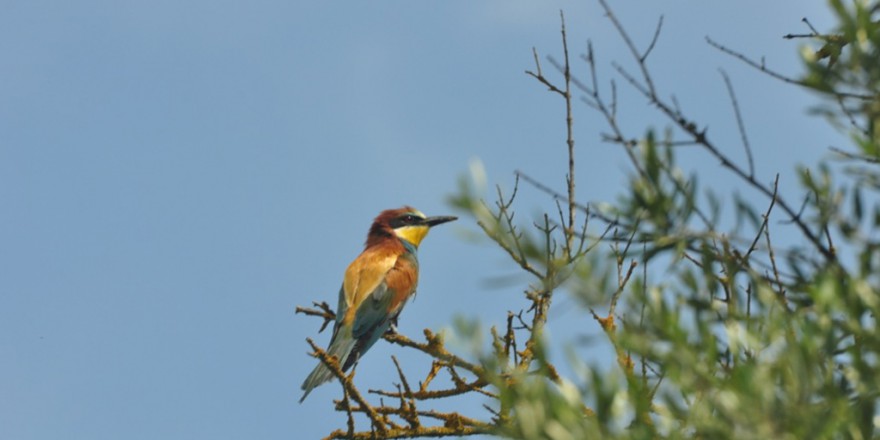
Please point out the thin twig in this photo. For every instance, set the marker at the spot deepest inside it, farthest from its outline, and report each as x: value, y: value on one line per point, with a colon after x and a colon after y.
x: 778, y: 282
x: 760, y: 66
x: 323, y: 310
x: 653, y: 40
x: 810, y: 25
x: 739, y: 123
x: 848, y: 155
x: 434, y: 347
x: 766, y: 216
x: 629, y: 44
x: 407, y: 400
x: 540, y: 76
x: 569, y: 124
x: 620, y: 287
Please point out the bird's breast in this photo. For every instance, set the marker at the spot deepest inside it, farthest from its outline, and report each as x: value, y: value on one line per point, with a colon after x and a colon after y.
x: 402, y: 279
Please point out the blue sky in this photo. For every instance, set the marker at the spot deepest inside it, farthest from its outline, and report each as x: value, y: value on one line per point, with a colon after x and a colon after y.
x: 177, y: 176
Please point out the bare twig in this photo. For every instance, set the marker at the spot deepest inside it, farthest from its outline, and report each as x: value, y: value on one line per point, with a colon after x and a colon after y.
x: 621, y: 286
x: 632, y: 47
x: 458, y: 427
x: 434, y: 347
x: 323, y: 310
x: 848, y: 155
x: 569, y: 124
x: 766, y: 216
x: 346, y: 406
x: 776, y: 278
x: 540, y: 76
x: 763, y: 68
x: 739, y: 123
x: 608, y: 110
x: 407, y: 400
x: 810, y: 25
x: 653, y: 40
x: 461, y: 387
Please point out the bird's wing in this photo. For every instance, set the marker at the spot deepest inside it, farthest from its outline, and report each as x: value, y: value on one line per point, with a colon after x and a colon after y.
x: 369, y: 321
x: 372, y: 315
x: 386, y: 300
x: 364, y: 301
x: 362, y: 278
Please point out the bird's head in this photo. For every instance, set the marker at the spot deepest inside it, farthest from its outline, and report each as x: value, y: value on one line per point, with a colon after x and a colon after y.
x: 406, y: 223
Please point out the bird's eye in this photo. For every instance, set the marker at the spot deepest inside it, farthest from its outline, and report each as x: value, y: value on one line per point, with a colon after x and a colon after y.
x: 407, y: 220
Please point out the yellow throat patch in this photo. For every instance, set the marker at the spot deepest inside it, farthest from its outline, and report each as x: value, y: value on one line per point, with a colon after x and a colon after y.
x: 412, y: 234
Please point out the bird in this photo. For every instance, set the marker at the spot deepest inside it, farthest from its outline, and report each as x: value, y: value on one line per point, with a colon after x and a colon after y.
x: 376, y: 286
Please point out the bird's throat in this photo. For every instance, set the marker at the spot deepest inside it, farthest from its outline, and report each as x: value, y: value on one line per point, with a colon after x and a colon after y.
x: 412, y: 234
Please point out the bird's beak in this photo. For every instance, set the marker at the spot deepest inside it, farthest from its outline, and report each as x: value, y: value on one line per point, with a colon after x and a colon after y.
x: 434, y: 221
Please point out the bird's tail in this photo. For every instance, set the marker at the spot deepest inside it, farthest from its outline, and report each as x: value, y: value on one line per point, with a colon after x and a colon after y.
x: 340, y: 347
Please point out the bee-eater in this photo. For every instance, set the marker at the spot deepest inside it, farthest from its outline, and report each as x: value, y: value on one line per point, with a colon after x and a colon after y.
x: 376, y: 286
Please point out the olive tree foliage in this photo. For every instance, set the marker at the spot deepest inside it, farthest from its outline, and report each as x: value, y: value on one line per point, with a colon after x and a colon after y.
x: 734, y: 335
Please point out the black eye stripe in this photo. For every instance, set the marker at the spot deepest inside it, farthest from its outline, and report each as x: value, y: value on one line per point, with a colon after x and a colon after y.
x: 406, y: 220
